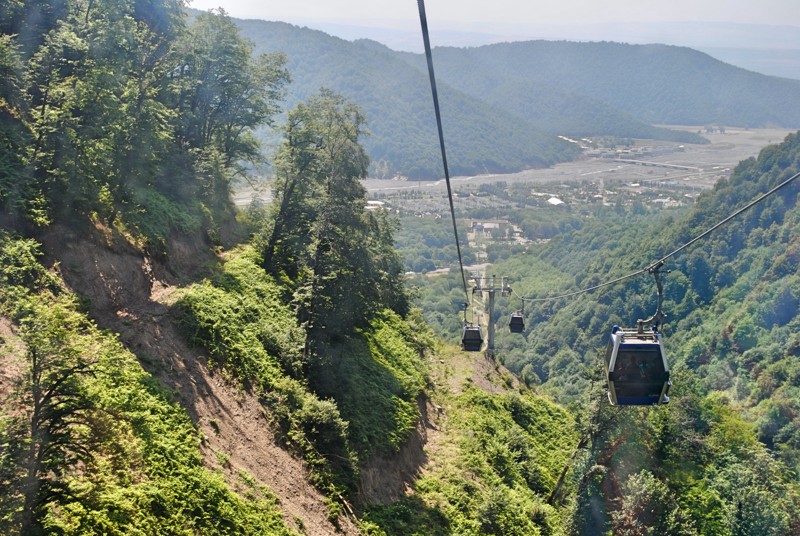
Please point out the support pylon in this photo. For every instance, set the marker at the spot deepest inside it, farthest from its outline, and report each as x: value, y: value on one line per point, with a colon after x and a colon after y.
x: 491, y: 286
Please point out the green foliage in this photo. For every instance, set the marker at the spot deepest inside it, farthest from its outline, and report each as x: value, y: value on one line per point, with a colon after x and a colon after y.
x: 251, y: 334
x: 730, y: 335
x: 376, y: 380
x: 243, y: 321
x: 426, y: 244
x: 21, y: 268
x: 124, y: 112
x: 338, y: 255
x: 156, y: 216
x: 649, y: 508
x: 12, y: 131
x: 91, y: 443
x: 508, y: 453
x: 222, y: 91
x: 358, y: 396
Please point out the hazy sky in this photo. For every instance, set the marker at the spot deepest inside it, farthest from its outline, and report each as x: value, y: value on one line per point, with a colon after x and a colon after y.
x: 778, y: 12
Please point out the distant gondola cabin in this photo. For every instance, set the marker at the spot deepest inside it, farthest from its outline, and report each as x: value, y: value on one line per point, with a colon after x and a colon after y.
x: 637, y: 369
x: 471, y: 338
x: 517, y: 323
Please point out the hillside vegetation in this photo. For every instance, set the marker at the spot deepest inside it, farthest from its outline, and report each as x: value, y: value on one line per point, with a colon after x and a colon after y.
x: 170, y: 365
x: 722, y: 457
x: 91, y: 444
x: 505, y: 104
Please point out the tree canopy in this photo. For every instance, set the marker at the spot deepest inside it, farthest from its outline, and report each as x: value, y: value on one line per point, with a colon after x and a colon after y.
x: 112, y: 109
x: 339, y: 255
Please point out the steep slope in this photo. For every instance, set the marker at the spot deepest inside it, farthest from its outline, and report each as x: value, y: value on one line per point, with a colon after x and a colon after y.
x: 498, y: 457
x: 130, y: 294
x: 482, y: 424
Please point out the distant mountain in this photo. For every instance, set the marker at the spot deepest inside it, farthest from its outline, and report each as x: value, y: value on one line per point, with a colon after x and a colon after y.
x: 503, y: 105
x: 767, y: 49
x: 658, y: 84
x: 775, y: 62
x: 396, y: 99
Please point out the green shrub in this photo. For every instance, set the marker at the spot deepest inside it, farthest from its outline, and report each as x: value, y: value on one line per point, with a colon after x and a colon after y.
x: 241, y: 320
x: 140, y: 470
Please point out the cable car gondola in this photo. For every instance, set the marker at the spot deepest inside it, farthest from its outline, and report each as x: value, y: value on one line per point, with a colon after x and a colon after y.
x: 471, y: 338
x: 517, y: 323
x: 636, y: 365
x: 638, y: 372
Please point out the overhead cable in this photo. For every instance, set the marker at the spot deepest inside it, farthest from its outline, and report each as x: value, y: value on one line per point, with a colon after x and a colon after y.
x: 424, y: 23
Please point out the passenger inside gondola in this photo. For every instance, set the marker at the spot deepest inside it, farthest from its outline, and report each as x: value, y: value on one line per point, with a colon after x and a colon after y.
x: 639, y: 373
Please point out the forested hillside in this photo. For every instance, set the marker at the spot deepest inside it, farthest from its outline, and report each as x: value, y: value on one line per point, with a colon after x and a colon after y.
x: 169, y: 365
x: 504, y: 104
x: 396, y: 101
x: 722, y: 456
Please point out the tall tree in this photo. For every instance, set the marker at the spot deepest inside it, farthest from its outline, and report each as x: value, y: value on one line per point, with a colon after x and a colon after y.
x: 97, y: 111
x: 15, y: 181
x: 121, y: 97
x: 320, y: 150
x: 59, y: 411
x: 222, y: 92
x: 340, y: 255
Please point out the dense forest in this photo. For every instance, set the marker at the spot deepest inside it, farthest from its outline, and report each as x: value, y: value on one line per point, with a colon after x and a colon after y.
x: 170, y: 364
x: 731, y: 301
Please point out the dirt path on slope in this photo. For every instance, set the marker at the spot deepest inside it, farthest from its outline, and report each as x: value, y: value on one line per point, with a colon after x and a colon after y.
x: 128, y: 294
x: 12, y: 364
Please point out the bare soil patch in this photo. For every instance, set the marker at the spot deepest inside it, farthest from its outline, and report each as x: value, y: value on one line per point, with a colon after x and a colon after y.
x: 387, y: 479
x: 12, y: 363
x: 128, y: 293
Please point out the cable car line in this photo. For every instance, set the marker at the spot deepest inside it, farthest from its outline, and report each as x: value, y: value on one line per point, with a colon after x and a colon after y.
x: 582, y: 291
x: 472, y: 337
x: 424, y: 23
x: 729, y: 218
x: 654, y: 266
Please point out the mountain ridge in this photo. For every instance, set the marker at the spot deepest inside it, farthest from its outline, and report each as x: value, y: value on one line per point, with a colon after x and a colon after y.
x: 504, y: 104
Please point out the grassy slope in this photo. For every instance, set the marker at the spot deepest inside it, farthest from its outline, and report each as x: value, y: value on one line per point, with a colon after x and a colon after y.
x: 139, y: 467
x: 495, y: 454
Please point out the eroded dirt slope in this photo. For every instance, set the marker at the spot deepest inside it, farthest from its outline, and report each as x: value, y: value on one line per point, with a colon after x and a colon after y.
x: 128, y: 293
